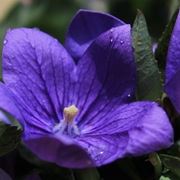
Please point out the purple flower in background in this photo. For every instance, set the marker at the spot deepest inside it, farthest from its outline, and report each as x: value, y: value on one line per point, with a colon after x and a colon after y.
x: 79, y: 113
x: 172, y: 85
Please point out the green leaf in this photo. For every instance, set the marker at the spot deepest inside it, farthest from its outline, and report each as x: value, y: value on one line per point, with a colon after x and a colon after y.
x: 172, y: 163
x: 164, y: 178
x: 169, y: 176
x: 156, y: 162
x: 9, y: 138
x: 161, y: 51
x: 84, y: 174
x: 149, y: 85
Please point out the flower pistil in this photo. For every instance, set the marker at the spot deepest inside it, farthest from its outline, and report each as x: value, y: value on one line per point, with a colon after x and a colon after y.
x: 67, y: 125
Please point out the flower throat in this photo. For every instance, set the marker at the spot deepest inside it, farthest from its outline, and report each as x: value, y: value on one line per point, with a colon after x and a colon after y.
x: 67, y: 125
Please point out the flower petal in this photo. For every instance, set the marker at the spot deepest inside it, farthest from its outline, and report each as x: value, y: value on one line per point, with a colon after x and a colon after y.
x: 9, y: 104
x: 173, y: 90
x: 60, y: 150
x: 132, y: 129
x: 105, y: 148
x: 106, y: 73
x: 173, y: 66
x: 152, y: 132
x: 85, y: 27
x: 37, y: 70
x: 173, y: 63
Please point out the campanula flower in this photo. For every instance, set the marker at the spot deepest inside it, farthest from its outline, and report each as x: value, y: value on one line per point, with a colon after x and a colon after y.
x: 172, y: 85
x: 75, y: 102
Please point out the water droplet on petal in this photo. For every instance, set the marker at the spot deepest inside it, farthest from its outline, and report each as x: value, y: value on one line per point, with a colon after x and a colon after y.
x: 99, y: 156
x: 111, y: 30
x: 111, y: 40
x: 129, y: 95
x: 101, y: 152
x: 121, y: 42
x: 5, y: 42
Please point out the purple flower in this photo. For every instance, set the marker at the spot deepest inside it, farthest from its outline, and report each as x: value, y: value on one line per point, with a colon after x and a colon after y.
x: 79, y: 113
x: 172, y: 85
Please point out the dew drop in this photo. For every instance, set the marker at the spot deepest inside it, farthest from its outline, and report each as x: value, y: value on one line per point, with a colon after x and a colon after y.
x: 98, y: 157
x: 5, y: 42
x: 111, y: 30
x: 129, y: 95
x: 111, y: 40
x: 101, y: 152
x: 121, y: 42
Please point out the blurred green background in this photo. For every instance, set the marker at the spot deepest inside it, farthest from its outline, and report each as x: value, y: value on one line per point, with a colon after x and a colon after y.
x: 53, y: 16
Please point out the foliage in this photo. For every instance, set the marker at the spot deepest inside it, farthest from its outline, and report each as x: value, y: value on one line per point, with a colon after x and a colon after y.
x: 148, y: 75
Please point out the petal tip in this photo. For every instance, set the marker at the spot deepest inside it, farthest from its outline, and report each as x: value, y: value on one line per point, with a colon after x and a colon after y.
x: 153, y: 133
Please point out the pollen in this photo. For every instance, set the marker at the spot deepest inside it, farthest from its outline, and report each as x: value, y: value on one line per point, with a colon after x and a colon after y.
x: 70, y: 113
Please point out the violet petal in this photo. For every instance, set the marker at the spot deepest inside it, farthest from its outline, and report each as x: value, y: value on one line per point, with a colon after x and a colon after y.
x: 173, y: 89
x: 8, y: 103
x: 38, y: 71
x: 132, y: 129
x: 173, y: 66
x: 152, y: 131
x: 104, y: 148
x: 85, y: 27
x: 61, y: 150
x: 106, y: 74
x: 173, y: 63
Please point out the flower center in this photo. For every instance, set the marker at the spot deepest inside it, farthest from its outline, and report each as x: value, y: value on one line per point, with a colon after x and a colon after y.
x: 70, y: 113
x: 67, y: 125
